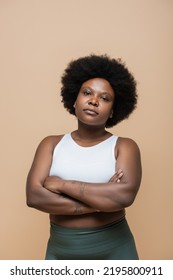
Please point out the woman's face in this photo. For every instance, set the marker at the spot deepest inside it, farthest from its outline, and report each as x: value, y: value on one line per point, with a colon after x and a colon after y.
x: 94, y: 102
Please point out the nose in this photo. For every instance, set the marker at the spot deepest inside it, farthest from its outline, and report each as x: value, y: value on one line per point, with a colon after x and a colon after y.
x: 94, y: 102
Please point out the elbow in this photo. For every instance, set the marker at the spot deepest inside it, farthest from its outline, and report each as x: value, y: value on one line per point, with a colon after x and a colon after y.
x: 127, y: 201
x: 127, y: 195
x: 30, y: 202
x: 33, y: 196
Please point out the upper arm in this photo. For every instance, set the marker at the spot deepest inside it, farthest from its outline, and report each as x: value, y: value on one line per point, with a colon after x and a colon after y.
x: 40, y: 167
x: 41, y: 163
x: 129, y: 160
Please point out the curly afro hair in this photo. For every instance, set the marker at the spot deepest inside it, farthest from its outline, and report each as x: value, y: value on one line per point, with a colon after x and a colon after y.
x: 102, y: 66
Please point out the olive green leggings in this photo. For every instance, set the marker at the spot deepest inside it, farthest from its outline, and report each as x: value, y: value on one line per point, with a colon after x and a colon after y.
x: 111, y: 242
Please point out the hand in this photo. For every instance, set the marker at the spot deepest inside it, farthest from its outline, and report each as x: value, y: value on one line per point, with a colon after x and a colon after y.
x: 52, y: 183
x: 117, y: 176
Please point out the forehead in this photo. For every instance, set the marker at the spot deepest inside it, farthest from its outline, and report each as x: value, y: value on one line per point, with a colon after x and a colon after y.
x: 99, y: 84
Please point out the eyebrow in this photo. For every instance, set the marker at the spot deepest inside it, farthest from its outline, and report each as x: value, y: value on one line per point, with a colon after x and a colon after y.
x: 90, y: 88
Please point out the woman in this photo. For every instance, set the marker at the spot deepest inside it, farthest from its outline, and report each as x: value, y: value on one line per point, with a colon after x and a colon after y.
x: 86, y: 179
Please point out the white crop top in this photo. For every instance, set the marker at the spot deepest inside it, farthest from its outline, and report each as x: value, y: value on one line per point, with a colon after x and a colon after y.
x: 95, y: 164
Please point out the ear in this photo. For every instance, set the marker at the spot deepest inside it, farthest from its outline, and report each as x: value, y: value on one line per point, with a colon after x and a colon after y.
x: 74, y: 105
x: 111, y: 115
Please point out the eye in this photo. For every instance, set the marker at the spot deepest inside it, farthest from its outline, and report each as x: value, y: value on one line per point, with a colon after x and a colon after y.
x: 105, y: 98
x: 87, y: 92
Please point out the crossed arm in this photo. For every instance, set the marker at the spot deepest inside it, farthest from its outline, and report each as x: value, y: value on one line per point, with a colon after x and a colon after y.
x: 64, y: 197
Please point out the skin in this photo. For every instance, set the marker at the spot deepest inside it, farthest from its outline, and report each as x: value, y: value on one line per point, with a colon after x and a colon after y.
x: 80, y: 204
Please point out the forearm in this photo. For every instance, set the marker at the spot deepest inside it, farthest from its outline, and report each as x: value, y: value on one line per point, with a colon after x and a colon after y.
x: 54, y: 203
x: 112, y: 196
x: 106, y: 197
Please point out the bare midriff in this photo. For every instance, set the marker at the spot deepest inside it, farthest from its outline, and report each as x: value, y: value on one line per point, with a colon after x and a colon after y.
x: 87, y: 220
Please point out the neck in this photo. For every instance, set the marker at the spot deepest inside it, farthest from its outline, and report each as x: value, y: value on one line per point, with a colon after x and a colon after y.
x: 90, y: 132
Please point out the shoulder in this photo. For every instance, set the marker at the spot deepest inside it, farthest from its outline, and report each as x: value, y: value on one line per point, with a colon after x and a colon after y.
x: 125, y: 145
x: 128, y: 142
x: 49, y: 142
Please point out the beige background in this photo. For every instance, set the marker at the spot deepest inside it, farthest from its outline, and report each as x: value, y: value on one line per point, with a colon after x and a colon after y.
x: 38, y: 39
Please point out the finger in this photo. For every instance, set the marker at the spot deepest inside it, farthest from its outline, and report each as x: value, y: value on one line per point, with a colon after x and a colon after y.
x: 120, y: 174
x: 119, y: 171
x: 117, y: 176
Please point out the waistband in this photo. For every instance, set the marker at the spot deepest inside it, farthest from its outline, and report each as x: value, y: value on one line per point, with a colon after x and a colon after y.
x: 65, y: 230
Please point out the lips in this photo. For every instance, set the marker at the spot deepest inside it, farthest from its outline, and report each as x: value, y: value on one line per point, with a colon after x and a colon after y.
x: 90, y: 112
